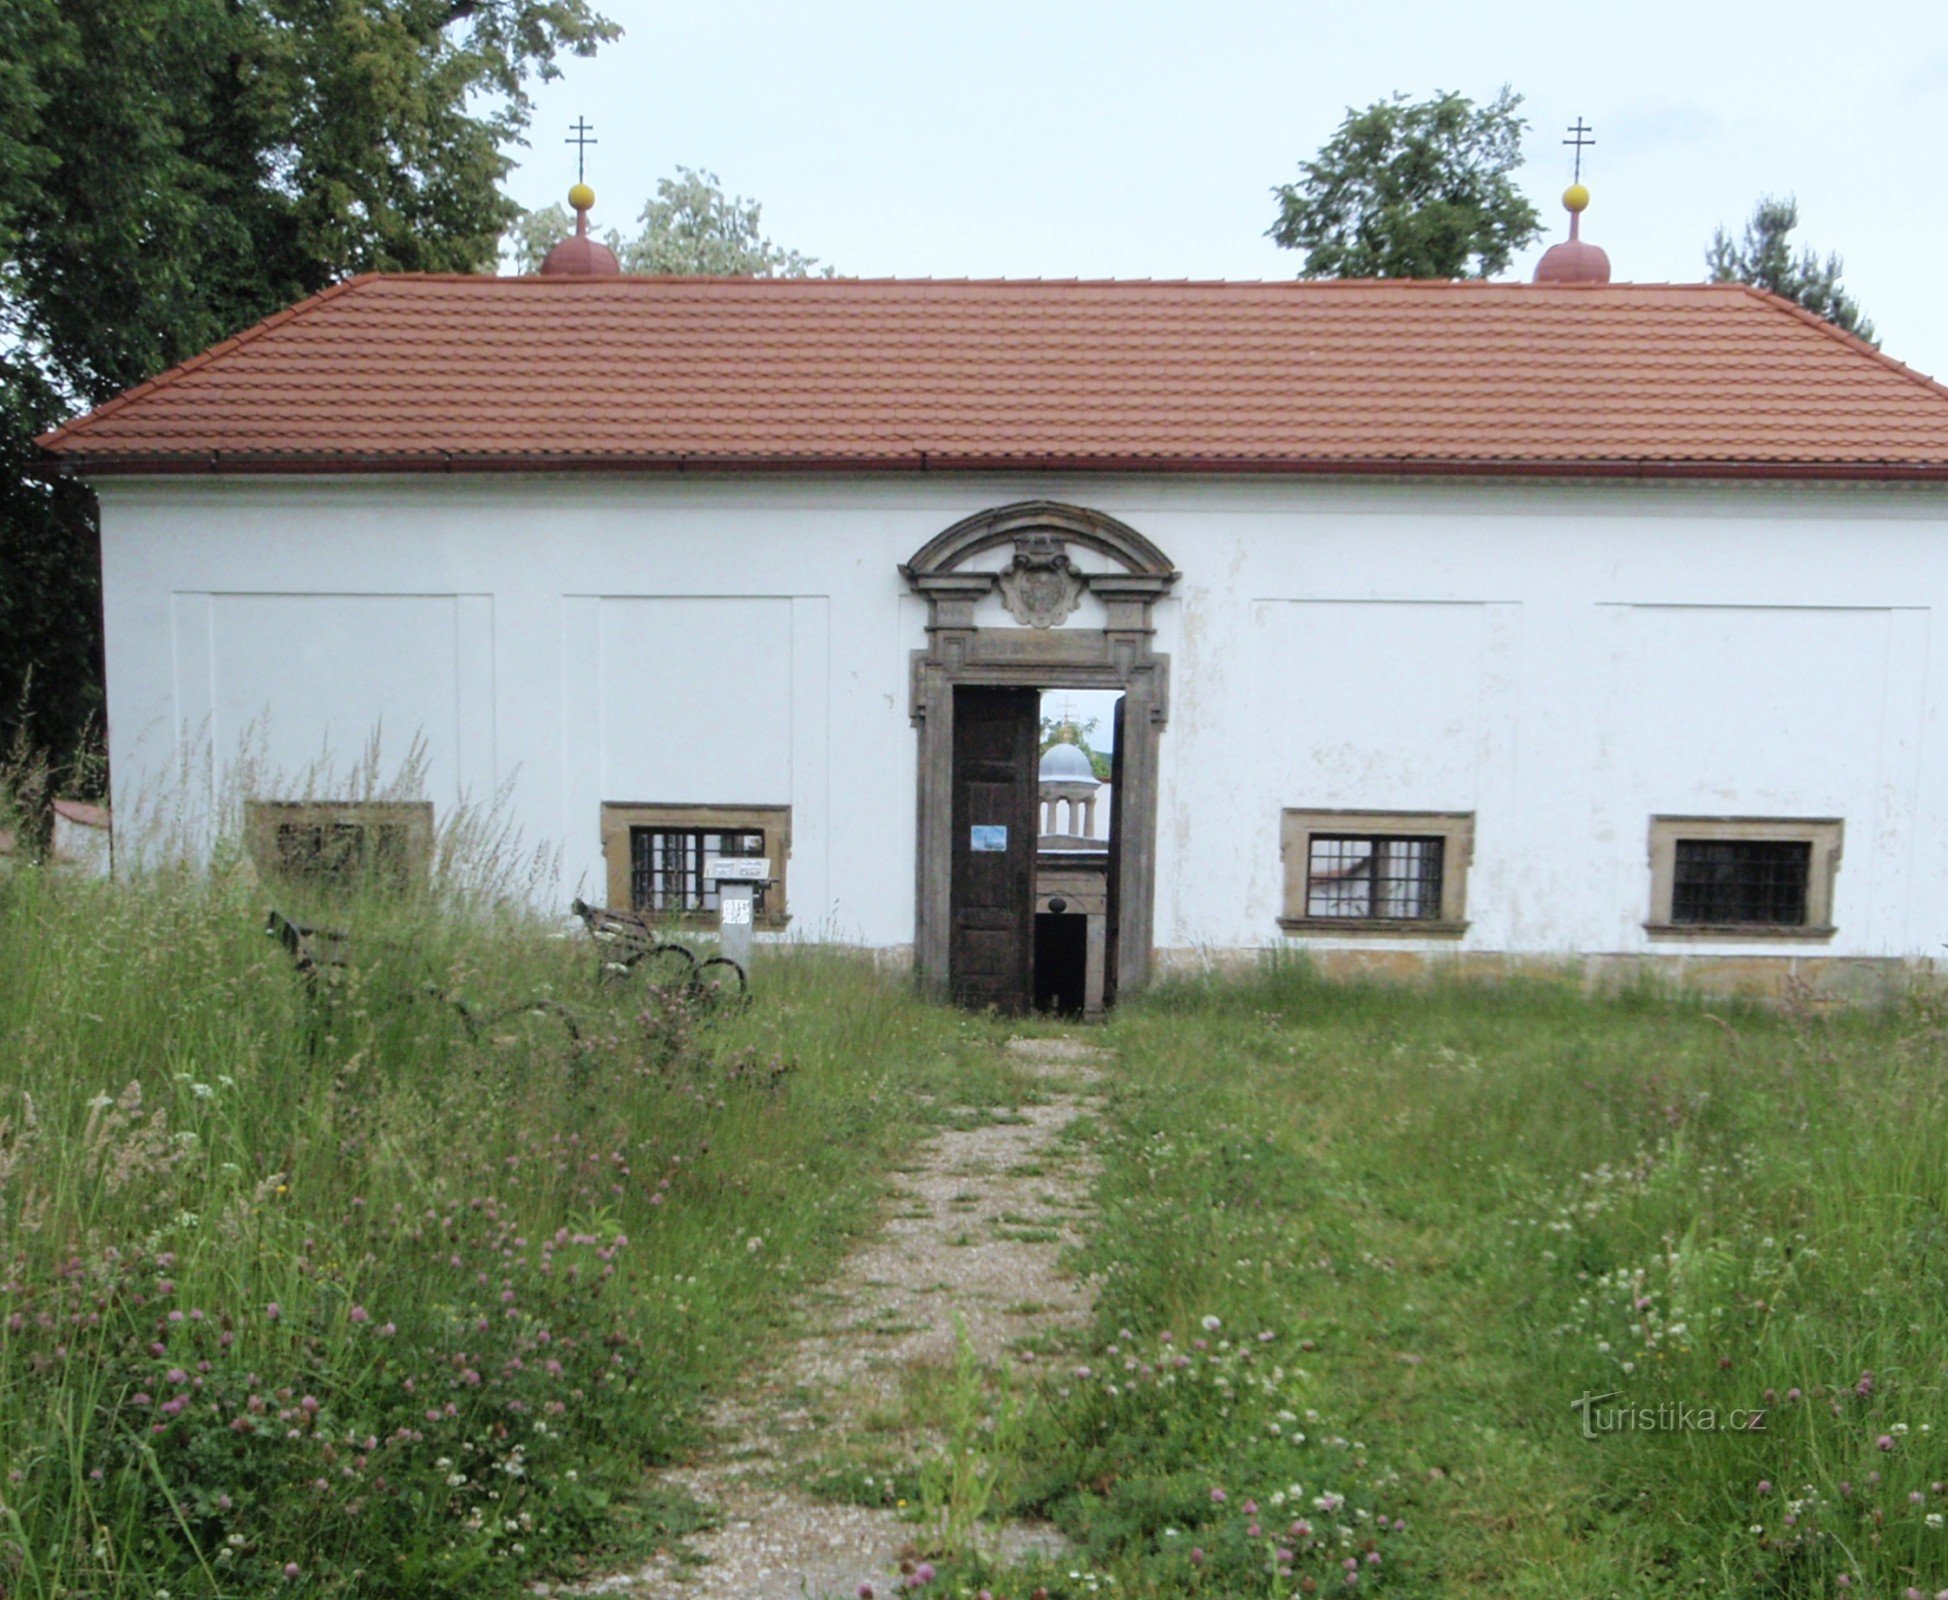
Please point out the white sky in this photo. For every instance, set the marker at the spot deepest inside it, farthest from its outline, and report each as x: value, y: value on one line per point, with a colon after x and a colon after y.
x: 1059, y: 138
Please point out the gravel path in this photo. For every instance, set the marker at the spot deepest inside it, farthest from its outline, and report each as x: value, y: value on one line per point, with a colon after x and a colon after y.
x: 975, y: 1232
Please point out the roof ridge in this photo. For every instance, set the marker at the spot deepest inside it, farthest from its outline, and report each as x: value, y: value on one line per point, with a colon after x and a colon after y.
x: 765, y: 281
x: 171, y: 375
x: 1851, y: 341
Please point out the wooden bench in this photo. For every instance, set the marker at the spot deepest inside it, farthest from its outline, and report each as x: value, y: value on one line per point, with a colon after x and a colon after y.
x: 630, y: 939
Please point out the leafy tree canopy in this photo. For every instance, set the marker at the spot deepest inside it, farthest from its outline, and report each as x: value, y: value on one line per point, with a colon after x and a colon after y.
x: 174, y: 170
x: 1412, y: 189
x: 1765, y: 259
x: 691, y: 226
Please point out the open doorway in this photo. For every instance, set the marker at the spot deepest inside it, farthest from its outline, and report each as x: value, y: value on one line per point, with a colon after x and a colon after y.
x: 1001, y: 627
x: 1037, y: 859
x: 1075, y: 851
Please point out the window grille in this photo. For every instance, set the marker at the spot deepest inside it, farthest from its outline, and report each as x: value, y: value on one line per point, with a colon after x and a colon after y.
x: 343, y: 852
x: 1374, y: 876
x: 666, y: 867
x: 1727, y: 882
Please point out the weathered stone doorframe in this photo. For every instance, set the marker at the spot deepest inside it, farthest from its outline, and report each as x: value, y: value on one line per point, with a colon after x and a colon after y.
x: 1042, y: 654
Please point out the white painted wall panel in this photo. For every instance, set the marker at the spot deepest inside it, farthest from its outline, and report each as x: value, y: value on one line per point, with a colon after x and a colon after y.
x: 1563, y: 659
x: 695, y: 700
x: 307, y: 681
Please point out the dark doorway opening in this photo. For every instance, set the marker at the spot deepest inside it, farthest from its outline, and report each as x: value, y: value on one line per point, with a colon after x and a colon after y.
x: 1061, y: 963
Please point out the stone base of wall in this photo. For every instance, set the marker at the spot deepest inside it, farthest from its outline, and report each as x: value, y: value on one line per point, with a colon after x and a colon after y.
x: 1852, y: 979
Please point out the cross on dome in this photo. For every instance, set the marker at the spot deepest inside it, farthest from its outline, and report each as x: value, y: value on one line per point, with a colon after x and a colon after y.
x: 1574, y: 260
x: 580, y: 256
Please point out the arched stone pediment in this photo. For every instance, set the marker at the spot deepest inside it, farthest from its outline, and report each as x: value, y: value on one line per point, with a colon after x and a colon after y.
x: 1042, y: 585
x: 1049, y: 519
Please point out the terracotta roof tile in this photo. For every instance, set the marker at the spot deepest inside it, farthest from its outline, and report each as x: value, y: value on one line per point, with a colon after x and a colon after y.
x: 418, y: 373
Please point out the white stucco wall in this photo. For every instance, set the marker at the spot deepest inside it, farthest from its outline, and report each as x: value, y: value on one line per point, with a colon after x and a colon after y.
x: 1562, y: 660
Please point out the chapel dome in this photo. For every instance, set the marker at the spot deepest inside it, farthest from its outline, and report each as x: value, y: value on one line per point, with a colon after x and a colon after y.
x: 1066, y: 763
x: 579, y: 256
x: 1574, y: 260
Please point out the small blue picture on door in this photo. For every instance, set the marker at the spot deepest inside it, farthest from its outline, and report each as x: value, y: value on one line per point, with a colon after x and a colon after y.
x: 988, y: 836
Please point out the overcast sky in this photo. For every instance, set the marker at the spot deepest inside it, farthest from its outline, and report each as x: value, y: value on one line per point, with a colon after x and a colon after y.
x: 1060, y: 138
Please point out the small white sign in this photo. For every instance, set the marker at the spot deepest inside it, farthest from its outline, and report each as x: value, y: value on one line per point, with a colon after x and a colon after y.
x: 737, y: 910
x: 738, y: 869
x: 988, y: 837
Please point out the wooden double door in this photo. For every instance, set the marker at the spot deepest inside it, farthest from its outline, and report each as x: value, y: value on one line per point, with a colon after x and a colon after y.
x: 996, y: 815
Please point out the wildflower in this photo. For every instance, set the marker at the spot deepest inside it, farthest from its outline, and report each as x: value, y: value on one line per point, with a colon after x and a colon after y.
x: 1197, y: 1555
x: 1765, y: 1486
x: 1212, y: 1324
x: 1884, y: 1442
x: 1217, y: 1497
x: 273, y: 1311
x: 865, y: 1591
x: 360, y: 1314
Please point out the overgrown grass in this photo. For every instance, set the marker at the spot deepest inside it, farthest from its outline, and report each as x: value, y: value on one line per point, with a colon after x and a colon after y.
x: 335, y: 1292
x: 1364, y: 1247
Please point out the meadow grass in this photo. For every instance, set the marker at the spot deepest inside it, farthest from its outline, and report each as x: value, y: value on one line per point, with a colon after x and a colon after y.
x: 1363, y: 1247
x: 330, y: 1290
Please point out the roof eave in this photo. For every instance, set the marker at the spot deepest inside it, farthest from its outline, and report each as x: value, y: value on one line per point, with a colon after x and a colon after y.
x: 105, y: 464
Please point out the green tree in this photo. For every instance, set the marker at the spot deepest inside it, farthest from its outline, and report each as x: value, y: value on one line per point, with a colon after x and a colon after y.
x: 691, y: 226
x: 1420, y: 189
x: 1765, y: 259
x: 174, y: 170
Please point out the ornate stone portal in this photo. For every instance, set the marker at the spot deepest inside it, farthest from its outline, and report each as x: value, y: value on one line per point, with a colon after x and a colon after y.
x: 1041, y: 588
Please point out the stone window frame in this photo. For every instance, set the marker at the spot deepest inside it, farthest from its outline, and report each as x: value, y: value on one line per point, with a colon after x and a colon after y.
x: 264, y: 818
x: 1826, y: 835
x: 1455, y: 829
x: 774, y: 822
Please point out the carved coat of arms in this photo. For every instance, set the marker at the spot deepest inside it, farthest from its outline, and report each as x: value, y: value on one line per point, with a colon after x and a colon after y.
x: 1041, y: 586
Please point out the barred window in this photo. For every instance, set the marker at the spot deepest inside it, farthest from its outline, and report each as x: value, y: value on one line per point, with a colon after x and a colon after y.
x: 653, y: 856
x: 340, y: 843
x: 343, y: 850
x: 666, y: 867
x: 1386, y: 874
x: 1374, y: 875
x: 1743, y: 877
x: 1730, y: 881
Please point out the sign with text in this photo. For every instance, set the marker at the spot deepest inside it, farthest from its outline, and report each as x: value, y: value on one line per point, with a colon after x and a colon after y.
x: 738, y: 869
x: 988, y: 837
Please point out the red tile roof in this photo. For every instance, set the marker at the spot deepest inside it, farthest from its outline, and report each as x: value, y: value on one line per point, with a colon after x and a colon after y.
x: 409, y: 373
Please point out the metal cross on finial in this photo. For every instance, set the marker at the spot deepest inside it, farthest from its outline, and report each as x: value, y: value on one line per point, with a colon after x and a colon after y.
x: 580, y: 131
x: 1579, y: 141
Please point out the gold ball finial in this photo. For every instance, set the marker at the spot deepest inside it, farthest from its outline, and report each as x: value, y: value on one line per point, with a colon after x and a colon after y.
x: 581, y: 197
x: 1576, y: 198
